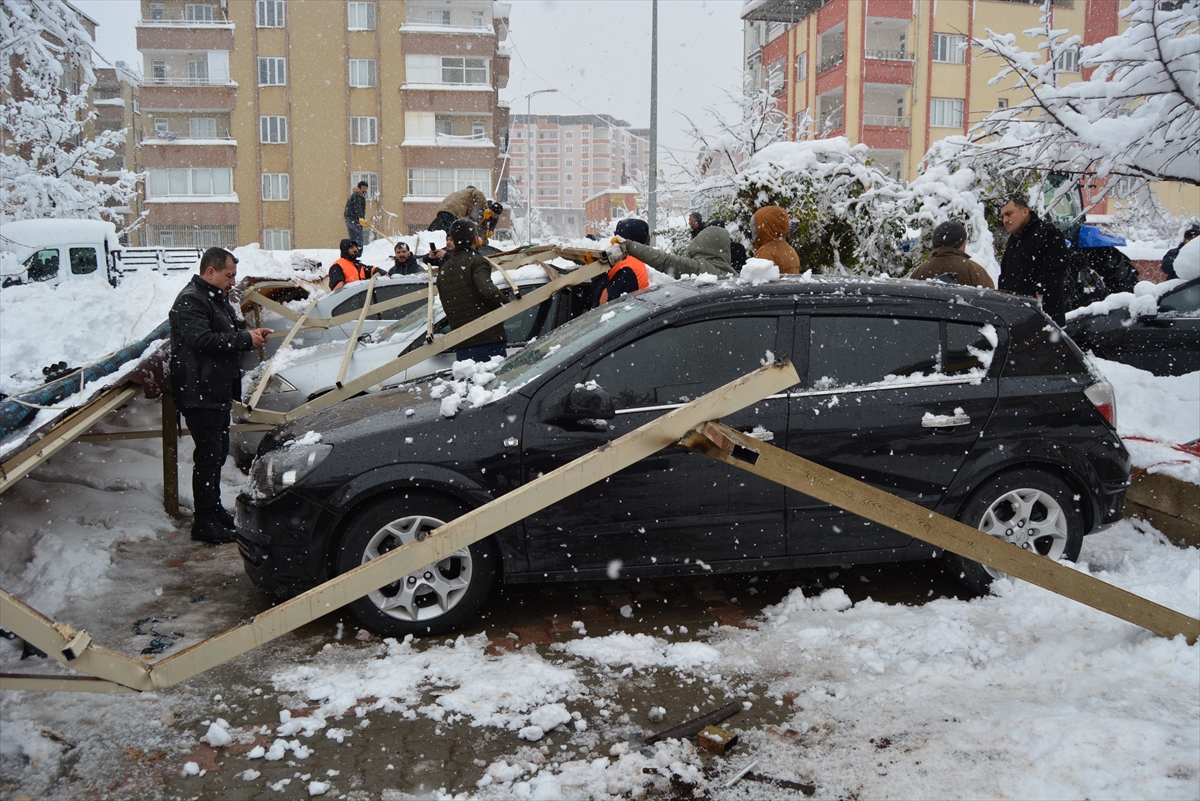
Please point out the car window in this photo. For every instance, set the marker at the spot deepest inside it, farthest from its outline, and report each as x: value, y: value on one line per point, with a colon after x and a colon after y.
x: 388, y: 291
x: 569, y: 342
x: 43, y: 265
x: 680, y: 363
x: 1183, y: 302
x: 83, y: 261
x: 1039, y: 348
x: 967, y: 348
x: 530, y: 323
x: 854, y: 351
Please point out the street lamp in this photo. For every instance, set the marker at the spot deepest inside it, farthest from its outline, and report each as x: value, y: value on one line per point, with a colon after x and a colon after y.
x: 530, y: 162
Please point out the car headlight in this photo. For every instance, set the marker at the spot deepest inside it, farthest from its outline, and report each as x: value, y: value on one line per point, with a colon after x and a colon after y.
x: 274, y: 472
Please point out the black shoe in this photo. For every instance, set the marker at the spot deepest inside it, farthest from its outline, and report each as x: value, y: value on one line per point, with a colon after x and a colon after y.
x: 225, y: 517
x: 211, y: 529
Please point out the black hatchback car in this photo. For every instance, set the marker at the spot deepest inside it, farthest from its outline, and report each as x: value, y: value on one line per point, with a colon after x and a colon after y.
x: 966, y: 401
x: 1166, y: 342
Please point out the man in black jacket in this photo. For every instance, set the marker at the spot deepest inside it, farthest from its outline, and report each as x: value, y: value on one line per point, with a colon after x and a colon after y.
x: 1035, y: 259
x: 465, y: 286
x: 355, y: 211
x: 207, y: 341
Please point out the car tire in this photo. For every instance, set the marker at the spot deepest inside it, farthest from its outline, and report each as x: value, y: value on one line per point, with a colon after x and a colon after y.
x: 1032, y: 508
x: 433, y: 600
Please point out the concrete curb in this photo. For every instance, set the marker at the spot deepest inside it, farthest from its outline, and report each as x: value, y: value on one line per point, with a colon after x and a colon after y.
x: 1169, y: 504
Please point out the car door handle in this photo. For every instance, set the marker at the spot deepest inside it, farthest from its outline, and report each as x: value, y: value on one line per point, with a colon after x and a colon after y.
x: 944, y: 420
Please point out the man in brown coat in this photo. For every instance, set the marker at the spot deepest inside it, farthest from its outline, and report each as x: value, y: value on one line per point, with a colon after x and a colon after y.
x: 770, y: 227
x: 465, y: 204
x: 950, y: 256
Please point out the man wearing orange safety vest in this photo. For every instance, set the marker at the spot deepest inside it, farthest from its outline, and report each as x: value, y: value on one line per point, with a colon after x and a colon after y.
x: 348, y: 268
x: 629, y: 274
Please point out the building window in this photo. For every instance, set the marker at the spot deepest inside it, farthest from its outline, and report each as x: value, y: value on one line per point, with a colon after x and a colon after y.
x: 360, y: 16
x: 198, y: 72
x: 277, y: 238
x: 195, y: 12
x: 136, y: 106
x: 1002, y: 103
x: 1068, y: 60
x: 275, y: 186
x: 158, y: 71
x: 157, y: 12
x: 569, y: 178
x: 478, y: 130
x: 441, y: 182
x: 477, y: 19
x: 802, y: 66
x: 437, y: 16
x: 570, y: 191
x: 372, y: 179
x: 161, y: 126
x: 362, y: 130
x: 272, y: 130
x: 443, y: 127
x: 945, y: 113
x: 569, y: 163
x: 362, y: 72
x: 202, y: 128
x: 272, y: 71
x: 464, y: 70
x: 185, y: 182
x: 948, y: 48
x: 270, y: 13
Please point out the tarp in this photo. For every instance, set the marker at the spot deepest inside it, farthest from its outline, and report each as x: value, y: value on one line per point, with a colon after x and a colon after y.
x: 14, y: 414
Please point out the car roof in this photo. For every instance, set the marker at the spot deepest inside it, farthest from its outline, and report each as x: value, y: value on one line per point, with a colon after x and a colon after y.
x: 704, y: 290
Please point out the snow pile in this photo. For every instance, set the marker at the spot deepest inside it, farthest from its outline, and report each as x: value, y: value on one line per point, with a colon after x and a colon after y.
x: 1162, y: 409
x: 1187, y: 263
x: 1141, y: 302
x: 759, y: 271
x: 642, y: 651
x: 468, y: 383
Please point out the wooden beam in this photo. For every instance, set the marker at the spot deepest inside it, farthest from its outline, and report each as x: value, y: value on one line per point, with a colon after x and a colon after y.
x: 65, y: 432
x: 59, y: 684
x: 720, y: 442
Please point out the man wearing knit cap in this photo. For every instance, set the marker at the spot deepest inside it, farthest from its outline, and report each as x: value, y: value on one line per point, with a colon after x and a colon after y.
x: 630, y: 273
x: 950, y: 256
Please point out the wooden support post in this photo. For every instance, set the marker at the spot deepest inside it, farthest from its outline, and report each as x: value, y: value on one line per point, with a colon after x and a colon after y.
x: 724, y: 444
x: 170, y: 455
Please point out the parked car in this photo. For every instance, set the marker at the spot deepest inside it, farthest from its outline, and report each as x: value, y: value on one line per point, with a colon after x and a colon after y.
x: 963, y: 400
x: 1163, y: 338
x: 314, y: 371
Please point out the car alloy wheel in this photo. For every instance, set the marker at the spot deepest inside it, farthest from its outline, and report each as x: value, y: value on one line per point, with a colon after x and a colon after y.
x: 429, y: 592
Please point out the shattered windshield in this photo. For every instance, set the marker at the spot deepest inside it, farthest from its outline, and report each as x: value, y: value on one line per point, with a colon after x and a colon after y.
x: 567, y: 342
x: 405, y: 325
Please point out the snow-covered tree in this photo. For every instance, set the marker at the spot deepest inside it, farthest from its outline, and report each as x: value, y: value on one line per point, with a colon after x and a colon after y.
x: 49, y: 158
x: 1136, y: 115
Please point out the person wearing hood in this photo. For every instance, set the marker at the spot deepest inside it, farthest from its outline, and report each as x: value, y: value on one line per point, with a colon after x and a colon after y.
x: 467, y: 203
x: 630, y: 273
x: 348, y: 268
x: 465, y: 286
x: 950, y: 256
x: 771, y: 225
x: 708, y: 253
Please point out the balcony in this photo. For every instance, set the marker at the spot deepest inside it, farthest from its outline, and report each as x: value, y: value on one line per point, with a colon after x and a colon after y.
x: 184, y: 95
x: 161, y: 81
x: 888, y: 55
x: 829, y: 62
x: 185, y: 37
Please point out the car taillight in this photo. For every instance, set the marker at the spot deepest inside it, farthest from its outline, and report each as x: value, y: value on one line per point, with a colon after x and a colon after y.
x: 1102, y: 397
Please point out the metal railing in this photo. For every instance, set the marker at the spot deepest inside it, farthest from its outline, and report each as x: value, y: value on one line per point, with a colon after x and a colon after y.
x: 889, y: 55
x: 885, y: 121
x: 176, y: 136
x: 829, y: 62
x: 212, y: 81
x: 186, y: 23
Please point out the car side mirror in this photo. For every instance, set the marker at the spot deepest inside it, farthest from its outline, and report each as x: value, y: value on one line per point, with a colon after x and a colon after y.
x: 586, y: 402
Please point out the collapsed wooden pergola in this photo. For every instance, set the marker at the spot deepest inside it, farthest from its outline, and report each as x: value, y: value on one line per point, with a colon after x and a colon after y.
x: 695, y: 427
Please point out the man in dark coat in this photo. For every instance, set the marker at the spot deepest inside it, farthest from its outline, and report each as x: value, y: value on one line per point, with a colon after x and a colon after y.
x: 465, y: 287
x: 207, y: 340
x: 405, y: 263
x: 950, y: 256
x: 695, y: 223
x: 355, y: 211
x: 1035, y: 259
x: 1168, y: 259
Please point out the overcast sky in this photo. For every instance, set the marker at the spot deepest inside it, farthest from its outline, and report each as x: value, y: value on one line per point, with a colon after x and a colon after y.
x: 597, y: 54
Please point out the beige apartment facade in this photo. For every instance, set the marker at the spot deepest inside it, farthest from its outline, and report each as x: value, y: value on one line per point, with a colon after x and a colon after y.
x: 260, y: 115
x: 117, y: 97
x: 898, y: 75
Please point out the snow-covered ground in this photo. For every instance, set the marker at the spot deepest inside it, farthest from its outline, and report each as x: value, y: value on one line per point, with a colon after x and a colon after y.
x: 1022, y: 694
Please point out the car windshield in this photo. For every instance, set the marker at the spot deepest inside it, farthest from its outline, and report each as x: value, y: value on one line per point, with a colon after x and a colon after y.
x: 406, y: 325
x: 567, y: 342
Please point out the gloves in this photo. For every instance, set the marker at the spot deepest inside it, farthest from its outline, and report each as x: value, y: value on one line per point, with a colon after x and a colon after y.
x: 362, y: 222
x: 614, y: 252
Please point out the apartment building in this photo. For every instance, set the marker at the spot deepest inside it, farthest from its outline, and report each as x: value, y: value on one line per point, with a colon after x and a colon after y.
x: 260, y: 115
x: 117, y: 95
x: 897, y: 75
x: 577, y: 157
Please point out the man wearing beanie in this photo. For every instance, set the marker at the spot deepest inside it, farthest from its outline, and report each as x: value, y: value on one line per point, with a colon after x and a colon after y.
x: 629, y: 274
x: 950, y: 256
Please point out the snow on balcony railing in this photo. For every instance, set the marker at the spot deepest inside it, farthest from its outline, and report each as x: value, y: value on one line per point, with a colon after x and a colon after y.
x: 155, y: 81
x: 831, y: 61
x: 885, y: 121
x: 889, y: 55
x: 186, y: 23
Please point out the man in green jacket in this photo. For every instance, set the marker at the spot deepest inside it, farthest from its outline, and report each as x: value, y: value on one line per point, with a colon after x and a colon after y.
x: 465, y: 286
x: 707, y: 253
